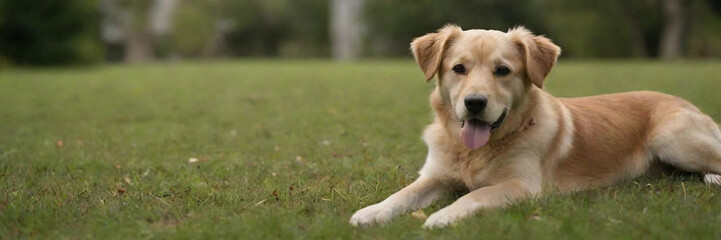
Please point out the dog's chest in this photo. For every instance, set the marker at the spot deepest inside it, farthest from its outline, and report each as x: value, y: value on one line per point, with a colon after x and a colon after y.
x: 474, y: 168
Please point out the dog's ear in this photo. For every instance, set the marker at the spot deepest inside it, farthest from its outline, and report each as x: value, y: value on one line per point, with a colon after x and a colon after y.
x: 539, y: 53
x: 428, y: 49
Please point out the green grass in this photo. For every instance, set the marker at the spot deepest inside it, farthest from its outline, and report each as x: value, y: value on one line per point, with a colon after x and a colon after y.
x: 290, y: 149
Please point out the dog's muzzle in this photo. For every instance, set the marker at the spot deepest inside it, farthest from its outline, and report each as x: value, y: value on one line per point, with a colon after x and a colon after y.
x: 476, y: 133
x: 495, y: 124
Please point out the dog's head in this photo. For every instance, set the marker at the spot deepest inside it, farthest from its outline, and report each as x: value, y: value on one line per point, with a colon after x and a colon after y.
x: 483, y: 74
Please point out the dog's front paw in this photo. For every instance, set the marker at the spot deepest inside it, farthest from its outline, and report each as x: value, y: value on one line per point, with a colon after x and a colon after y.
x: 376, y: 213
x: 445, y: 217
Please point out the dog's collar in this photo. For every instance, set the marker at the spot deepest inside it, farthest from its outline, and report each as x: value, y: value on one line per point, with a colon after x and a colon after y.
x: 498, y: 122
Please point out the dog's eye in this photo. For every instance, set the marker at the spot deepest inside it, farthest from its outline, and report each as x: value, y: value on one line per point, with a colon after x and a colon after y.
x: 501, y: 71
x: 459, y: 68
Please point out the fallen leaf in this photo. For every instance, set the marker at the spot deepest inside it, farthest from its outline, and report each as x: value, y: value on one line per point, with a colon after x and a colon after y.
x: 419, y: 214
x: 59, y: 143
x: 192, y: 160
x: 127, y: 180
x: 121, y: 190
x: 536, y: 215
x: 260, y: 202
x: 325, y: 143
x: 117, y: 166
x: 291, y: 187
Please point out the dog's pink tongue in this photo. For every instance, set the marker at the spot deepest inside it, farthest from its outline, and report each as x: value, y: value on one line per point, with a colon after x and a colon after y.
x: 475, y: 134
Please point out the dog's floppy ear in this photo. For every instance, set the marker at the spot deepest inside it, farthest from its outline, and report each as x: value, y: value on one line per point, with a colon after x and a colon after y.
x: 428, y: 49
x: 539, y: 52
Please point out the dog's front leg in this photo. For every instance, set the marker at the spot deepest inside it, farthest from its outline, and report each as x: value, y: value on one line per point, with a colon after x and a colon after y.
x: 416, y: 195
x: 487, y: 197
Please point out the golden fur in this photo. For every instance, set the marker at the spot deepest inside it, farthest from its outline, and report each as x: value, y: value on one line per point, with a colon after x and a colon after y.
x: 564, y: 144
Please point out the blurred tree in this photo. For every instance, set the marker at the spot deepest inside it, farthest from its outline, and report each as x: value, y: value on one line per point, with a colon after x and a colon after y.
x: 69, y: 31
x: 149, y: 24
x: 259, y: 27
x: 704, y: 32
x: 674, y: 12
x: 137, y: 30
x: 196, y: 32
x: 612, y: 28
x: 347, y: 28
x: 285, y: 28
x: 641, y: 18
x: 113, y: 21
x: 586, y: 29
x: 48, y: 32
x: 138, y: 42
x: 393, y: 24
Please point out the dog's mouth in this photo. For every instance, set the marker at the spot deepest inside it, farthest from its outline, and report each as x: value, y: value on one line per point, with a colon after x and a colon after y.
x: 475, y: 133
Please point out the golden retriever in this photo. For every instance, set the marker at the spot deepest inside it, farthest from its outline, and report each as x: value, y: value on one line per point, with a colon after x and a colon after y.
x: 499, y: 134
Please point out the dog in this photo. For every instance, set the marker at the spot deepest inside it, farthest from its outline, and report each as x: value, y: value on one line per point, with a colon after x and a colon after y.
x: 499, y: 134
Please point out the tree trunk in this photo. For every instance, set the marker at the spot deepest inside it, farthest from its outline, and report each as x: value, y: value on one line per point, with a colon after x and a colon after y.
x: 672, y: 36
x: 138, y: 47
x: 347, y: 28
x: 141, y: 38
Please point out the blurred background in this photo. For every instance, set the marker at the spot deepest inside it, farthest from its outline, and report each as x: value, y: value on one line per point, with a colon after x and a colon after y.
x: 62, y: 32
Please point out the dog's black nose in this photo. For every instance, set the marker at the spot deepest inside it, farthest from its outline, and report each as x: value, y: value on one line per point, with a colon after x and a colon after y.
x: 475, y: 103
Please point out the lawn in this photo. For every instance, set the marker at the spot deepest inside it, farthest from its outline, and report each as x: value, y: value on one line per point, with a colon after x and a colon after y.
x: 290, y: 149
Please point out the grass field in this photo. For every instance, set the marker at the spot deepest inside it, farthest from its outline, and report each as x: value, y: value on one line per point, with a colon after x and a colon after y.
x: 290, y: 149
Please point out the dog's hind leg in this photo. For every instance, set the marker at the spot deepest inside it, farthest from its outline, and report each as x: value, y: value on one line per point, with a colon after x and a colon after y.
x: 690, y: 141
x: 713, y: 178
